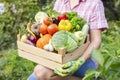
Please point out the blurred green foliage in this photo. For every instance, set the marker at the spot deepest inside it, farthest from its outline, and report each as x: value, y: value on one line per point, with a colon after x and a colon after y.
x: 19, y: 12
x: 13, y: 67
x: 110, y: 50
x: 112, y: 9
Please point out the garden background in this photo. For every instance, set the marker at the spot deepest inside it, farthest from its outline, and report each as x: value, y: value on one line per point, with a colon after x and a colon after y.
x: 19, y: 12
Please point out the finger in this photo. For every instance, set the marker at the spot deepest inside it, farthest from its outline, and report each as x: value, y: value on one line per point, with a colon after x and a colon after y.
x: 63, y: 71
x: 59, y: 73
x: 67, y: 65
x: 63, y: 75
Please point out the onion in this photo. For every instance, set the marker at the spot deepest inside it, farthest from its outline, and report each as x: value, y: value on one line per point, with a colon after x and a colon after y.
x: 33, y: 39
x: 29, y: 42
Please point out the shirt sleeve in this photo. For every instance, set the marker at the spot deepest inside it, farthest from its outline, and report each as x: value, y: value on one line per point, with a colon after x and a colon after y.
x: 97, y: 19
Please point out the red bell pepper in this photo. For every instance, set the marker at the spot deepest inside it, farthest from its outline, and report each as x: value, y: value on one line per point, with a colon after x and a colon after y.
x: 62, y: 17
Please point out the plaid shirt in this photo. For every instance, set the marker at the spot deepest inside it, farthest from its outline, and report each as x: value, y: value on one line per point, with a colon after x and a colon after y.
x: 91, y: 10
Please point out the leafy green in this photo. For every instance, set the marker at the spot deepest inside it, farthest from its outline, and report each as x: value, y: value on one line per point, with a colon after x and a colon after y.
x: 64, y: 39
x: 77, y: 23
x: 70, y: 15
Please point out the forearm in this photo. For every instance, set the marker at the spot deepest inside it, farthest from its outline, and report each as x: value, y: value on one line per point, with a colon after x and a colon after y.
x: 95, y: 41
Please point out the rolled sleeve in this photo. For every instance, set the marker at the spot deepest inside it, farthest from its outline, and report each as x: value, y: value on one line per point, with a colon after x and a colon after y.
x: 97, y: 19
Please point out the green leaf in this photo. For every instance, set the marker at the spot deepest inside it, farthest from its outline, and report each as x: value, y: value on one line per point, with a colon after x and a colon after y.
x: 97, y: 56
x: 108, y: 63
x: 90, y: 74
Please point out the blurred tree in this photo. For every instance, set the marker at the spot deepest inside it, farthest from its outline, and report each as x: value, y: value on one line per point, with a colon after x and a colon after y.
x: 113, y: 7
x: 43, y: 3
x: 16, y: 15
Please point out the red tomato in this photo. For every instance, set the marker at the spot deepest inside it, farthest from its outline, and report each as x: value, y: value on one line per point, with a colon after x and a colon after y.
x: 52, y: 29
x: 47, y: 20
x: 43, y: 29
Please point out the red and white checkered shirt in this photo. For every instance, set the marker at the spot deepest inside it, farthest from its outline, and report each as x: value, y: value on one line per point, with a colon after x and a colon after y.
x: 91, y: 10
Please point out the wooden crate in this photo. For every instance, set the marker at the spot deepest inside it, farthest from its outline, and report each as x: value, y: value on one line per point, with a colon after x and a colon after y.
x: 47, y: 58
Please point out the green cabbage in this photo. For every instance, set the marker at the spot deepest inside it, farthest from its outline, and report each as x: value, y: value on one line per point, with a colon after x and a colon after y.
x: 40, y: 16
x: 64, y: 39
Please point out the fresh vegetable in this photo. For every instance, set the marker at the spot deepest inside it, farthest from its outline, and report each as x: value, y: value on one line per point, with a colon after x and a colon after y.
x: 62, y: 17
x: 40, y: 16
x: 35, y: 28
x: 33, y: 39
x: 79, y: 35
x: 43, y: 29
x: 52, y: 29
x: 29, y: 29
x: 65, y: 31
x: 77, y: 23
x: 64, y: 39
x: 30, y: 43
x: 47, y: 20
x: 48, y: 47
x: 85, y: 31
x: 70, y: 15
x: 41, y: 42
x: 55, y: 21
x: 65, y: 25
x: 24, y: 38
x: 51, y: 47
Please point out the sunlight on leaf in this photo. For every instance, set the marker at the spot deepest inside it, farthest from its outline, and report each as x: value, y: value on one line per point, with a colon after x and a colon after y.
x: 96, y: 55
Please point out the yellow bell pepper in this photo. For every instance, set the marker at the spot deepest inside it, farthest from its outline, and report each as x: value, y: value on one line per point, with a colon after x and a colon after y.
x: 65, y: 25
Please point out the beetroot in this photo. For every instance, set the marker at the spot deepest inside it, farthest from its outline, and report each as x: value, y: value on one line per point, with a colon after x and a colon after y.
x: 33, y: 39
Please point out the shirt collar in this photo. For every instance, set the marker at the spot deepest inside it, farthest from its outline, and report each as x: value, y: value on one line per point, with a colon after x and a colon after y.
x: 65, y: 1
x: 82, y: 0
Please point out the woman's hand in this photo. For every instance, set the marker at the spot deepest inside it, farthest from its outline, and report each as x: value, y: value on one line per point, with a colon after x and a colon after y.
x: 69, y: 68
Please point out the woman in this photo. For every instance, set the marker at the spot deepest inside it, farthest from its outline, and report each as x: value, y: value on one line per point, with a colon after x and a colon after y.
x: 93, y: 12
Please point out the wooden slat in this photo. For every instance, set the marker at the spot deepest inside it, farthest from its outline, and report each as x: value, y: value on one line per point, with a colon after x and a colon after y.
x: 39, y: 60
x: 76, y: 53
x: 62, y: 51
x: 39, y: 52
x: 18, y: 37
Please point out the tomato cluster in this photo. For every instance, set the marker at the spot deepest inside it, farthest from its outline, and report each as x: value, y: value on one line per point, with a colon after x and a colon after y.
x: 48, y: 26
